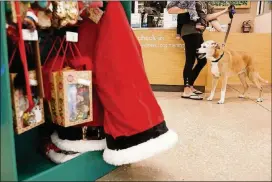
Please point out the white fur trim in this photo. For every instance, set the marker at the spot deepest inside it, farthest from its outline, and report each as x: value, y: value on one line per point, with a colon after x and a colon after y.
x: 141, y: 151
x: 59, y: 157
x: 32, y: 15
x: 33, y: 82
x: 78, y: 145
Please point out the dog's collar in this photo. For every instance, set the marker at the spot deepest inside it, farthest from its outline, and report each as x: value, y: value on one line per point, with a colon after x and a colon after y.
x: 217, y: 60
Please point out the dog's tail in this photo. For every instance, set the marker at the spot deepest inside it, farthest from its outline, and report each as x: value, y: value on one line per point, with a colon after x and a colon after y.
x: 262, y: 80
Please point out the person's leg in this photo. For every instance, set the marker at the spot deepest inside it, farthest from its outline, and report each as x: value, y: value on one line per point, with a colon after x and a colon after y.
x: 190, y: 53
x: 200, y: 62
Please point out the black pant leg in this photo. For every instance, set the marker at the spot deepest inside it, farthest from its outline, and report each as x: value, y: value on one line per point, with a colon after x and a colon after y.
x: 200, y: 62
x: 190, y: 53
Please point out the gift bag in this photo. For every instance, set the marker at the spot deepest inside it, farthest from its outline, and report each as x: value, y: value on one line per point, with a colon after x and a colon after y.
x: 70, y: 93
x: 74, y: 90
x: 25, y: 120
x: 26, y: 101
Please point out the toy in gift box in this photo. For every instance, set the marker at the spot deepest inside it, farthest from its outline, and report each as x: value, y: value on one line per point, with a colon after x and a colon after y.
x: 71, y: 97
x: 64, y: 13
x: 25, y: 120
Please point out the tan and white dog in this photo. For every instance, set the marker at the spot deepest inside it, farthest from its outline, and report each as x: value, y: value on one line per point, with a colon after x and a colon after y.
x: 226, y: 63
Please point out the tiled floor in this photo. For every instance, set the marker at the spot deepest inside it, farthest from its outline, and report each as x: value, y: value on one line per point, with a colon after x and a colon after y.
x: 217, y: 142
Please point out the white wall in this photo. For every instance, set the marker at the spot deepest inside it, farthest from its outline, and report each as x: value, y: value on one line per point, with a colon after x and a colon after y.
x: 262, y: 23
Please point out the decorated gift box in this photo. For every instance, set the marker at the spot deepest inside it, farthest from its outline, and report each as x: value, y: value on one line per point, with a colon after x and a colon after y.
x: 71, y: 97
x: 65, y: 13
x: 25, y: 120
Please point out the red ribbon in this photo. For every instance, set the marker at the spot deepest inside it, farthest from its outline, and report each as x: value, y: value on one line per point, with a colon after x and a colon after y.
x: 21, y: 45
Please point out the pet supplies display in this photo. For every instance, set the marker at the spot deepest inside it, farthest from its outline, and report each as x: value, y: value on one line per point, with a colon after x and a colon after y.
x: 70, y: 93
x: 71, y: 102
x: 25, y: 119
x: 26, y: 92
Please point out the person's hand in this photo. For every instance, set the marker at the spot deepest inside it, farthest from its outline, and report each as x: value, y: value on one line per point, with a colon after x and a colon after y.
x: 231, y: 10
x: 200, y: 27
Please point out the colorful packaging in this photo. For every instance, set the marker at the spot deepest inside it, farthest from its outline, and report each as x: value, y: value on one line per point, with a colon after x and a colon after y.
x: 65, y: 13
x: 71, y: 97
x: 24, y: 120
x: 95, y: 14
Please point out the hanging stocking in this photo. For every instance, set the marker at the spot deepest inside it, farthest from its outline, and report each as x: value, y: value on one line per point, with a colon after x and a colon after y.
x: 133, y: 121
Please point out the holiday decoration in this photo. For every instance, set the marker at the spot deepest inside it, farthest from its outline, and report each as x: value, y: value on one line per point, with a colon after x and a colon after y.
x: 25, y: 120
x: 71, y: 102
x: 133, y: 121
x: 65, y: 13
x: 95, y: 14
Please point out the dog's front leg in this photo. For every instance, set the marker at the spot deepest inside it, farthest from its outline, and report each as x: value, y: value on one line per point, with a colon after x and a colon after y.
x: 223, y: 89
x: 214, y: 85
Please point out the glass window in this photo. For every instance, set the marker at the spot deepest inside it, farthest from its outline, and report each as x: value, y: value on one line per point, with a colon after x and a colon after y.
x: 150, y: 14
x: 267, y: 6
x: 264, y: 7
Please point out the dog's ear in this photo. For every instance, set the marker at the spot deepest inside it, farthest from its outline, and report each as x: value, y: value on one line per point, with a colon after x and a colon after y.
x: 216, y: 52
x: 217, y: 46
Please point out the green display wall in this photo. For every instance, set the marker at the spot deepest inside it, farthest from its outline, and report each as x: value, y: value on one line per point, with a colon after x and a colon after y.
x: 8, y: 164
x: 20, y: 160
